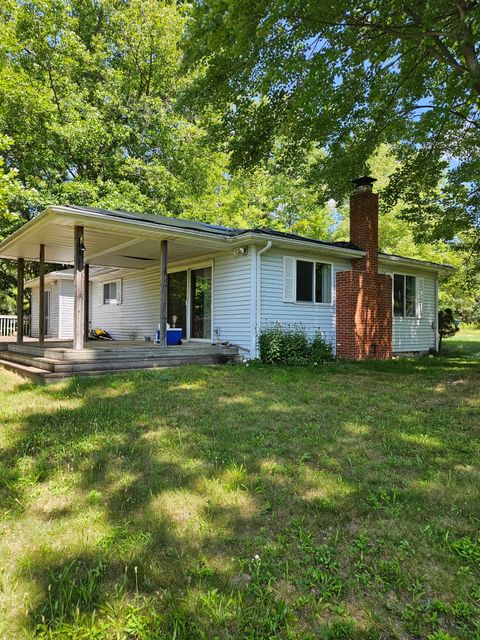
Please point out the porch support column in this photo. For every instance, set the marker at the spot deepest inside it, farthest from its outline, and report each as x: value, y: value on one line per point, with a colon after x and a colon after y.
x: 163, y: 292
x: 79, y: 290
x: 41, y: 296
x: 20, y: 279
x: 86, y: 302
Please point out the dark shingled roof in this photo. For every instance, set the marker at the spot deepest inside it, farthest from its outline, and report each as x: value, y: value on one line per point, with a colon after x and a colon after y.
x: 294, y: 236
x: 195, y: 225
x: 233, y: 232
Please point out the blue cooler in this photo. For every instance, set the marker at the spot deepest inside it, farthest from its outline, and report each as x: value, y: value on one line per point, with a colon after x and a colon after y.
x: 174, y: 336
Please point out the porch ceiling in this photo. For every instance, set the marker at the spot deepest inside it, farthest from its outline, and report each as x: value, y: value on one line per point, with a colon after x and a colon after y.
x: 114, y: 243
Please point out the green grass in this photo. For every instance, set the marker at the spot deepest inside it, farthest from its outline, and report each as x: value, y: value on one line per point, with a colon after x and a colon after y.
x: 335, y: 502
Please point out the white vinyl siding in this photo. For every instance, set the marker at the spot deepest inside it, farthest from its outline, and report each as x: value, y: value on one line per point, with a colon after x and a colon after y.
x: 54, y: 310
x: 139, y: 313
x: 417, y: 333
x: 276, y: 303
x: 232, y: 300
x: 66, y: 309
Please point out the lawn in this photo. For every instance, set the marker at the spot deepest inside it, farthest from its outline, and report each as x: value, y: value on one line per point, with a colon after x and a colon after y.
x: 245, y: 502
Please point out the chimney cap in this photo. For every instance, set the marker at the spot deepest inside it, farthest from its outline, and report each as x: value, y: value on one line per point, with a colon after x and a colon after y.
x: 364, y: 183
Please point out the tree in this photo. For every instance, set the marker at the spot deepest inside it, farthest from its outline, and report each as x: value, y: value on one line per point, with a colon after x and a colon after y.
x: 447, y: 325
x: 275, y: 196
x: 10, y: 189
x: 88, y: 95
x: 347, y: 77
x: 461, y: 291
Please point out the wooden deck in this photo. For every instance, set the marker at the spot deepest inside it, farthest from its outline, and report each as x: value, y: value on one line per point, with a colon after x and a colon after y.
x: 57, y: 359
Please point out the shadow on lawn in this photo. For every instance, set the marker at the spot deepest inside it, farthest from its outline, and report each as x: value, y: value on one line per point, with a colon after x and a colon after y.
x: 192, y: 468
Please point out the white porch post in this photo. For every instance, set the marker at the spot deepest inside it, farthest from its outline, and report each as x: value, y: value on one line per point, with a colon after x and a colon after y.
x: 41, y: 297
x: 79, y: 290
x: 20, y: 278
x: 163, y: 292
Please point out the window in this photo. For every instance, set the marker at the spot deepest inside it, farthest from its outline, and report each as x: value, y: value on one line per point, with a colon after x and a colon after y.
x: 404, y: 296
x: 304, y: 281
x: 314, y: 282
x: 111, y: 291
x: 323, y: 282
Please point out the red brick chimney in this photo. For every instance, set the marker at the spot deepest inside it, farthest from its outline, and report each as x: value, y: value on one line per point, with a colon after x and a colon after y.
x: 363, y: 296
x: 364, y: 223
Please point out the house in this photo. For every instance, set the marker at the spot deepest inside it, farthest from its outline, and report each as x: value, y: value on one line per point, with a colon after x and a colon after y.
x: 59, y: 302
x: 134, y: 272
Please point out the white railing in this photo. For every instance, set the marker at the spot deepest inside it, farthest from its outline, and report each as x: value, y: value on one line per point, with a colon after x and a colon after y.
x: 8, y: 326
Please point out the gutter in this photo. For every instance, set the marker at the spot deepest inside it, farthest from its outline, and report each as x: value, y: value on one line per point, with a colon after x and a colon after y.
x: 390, y: 259
x: 258, y: 280
x: 305, y: 244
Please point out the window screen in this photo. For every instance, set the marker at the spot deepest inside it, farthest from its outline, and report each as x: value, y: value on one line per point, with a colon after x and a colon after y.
x: 323, y: 282
x: 410, y: 296
x: 404, y: 296
x: 110, y: 293
x: 398, y: 294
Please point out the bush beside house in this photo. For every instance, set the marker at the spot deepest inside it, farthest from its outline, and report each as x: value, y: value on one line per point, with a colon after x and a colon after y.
x: 290, y: 344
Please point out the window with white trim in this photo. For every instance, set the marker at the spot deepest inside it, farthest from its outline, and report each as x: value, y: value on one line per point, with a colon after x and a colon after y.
x: 111, y: 292
x: 404, y: 296
x: 313, y: 281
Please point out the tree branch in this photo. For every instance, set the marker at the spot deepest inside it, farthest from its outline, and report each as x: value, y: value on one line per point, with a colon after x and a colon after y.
x: 467, y: 44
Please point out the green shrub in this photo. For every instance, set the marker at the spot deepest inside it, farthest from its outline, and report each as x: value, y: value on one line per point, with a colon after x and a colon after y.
x: 289, y: 344
x: 270, y: 344
x: 320, y: 349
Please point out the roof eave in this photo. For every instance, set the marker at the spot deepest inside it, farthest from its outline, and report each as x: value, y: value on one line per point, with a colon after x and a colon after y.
x: 50, y: 276
x: 13, y: 237
x: 145, y: 224
x: 288, y: 242
x: 413, y: 262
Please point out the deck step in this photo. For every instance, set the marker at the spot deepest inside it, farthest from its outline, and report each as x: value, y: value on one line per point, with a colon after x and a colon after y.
x: 132, y: 361
x: 32, y: 373
x: 46, y: 377
x: 46, y: 364
x: 50, y: 362
x: 118, y: 352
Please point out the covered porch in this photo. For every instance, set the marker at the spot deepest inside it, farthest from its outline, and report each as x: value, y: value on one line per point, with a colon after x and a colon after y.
x: 140, y: 248
x: 120, y: 242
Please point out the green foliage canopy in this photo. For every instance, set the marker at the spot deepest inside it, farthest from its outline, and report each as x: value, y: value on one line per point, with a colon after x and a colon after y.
x: 90, y: 114
x: 347, y: 77
x: 88, y: 94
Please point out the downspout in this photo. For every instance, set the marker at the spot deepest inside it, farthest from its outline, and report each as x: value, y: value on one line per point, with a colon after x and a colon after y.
x: 258, y: 293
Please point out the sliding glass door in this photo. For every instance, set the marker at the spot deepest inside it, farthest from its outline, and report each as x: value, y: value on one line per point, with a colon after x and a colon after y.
x: 177, y: 301
x: 190, y: 303
x: 201, y: 304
